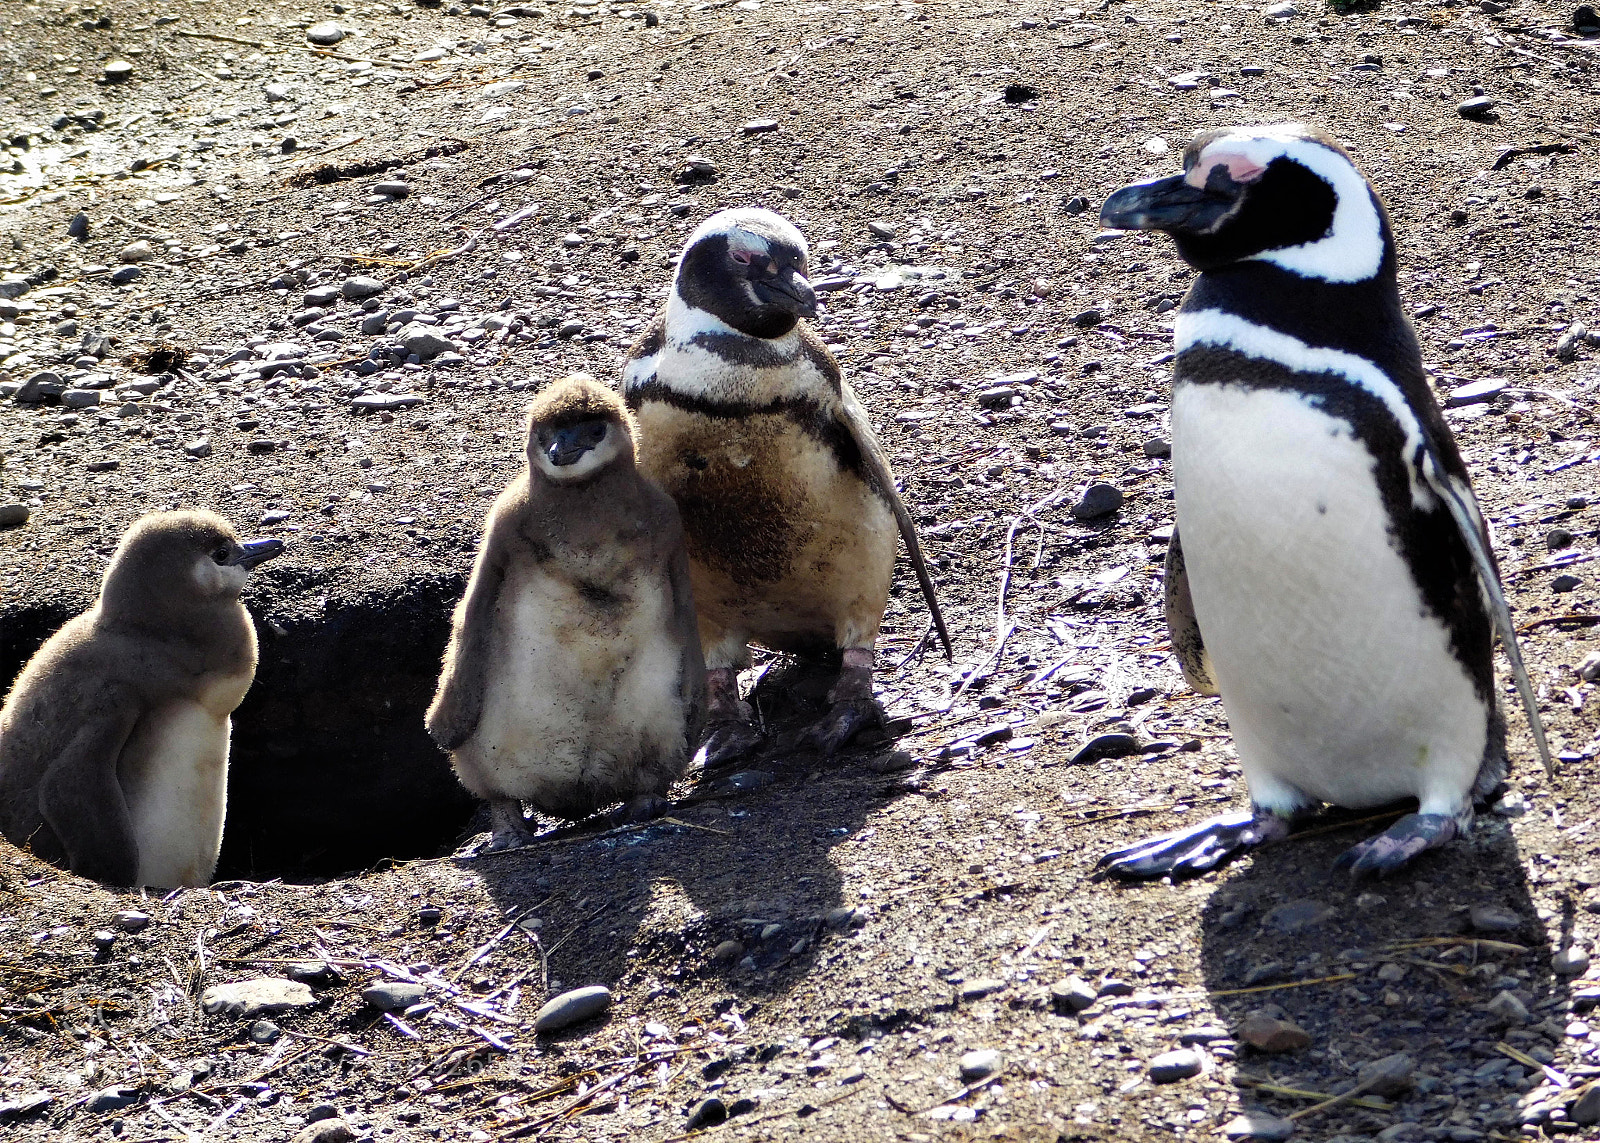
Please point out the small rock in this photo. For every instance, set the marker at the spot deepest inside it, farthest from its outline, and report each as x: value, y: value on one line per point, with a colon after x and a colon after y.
x: 1296, y: 916
x: 1115, y: 745
x: 758, y: 126
x: 1478, y: 107
x: 1282, y: 11
x: 104, y: 939
x: 1157, y: 447
x: 1389, y: 1076
x: 394, y: 189
x: 79, y: 226
x: 316, y: 973
x: 1567, y: 344
x: 113, y: 1098
x: 325, y: 1131
x: 1073, y: 994
x: 320, y: 297
x: 13, y: 515
x: 264, y: 1032
x: 573, y: 1007
x: 1561, y: 584
x: 1475, y: 391
x: 118, y: 71
x: 384, y: 402
x: 360, y: 286
x: 1507, y: 1008
x: 978, y: 989
x: 980, y: 1064
x: 1205, y: 1034
x: 132, y: 921
x: 706, y: 1113
x: 81, y: 398
x: 1585, y: 19
x: 1570, y: 961
x: 1088, y: 319
x: 140, y: 251
x: 276, y: 92
x: 1557, y: 538
x: 727, y: 952
x: 264, y: 995
x: 325, y: 33
x: 1097, y: 500
x: 425, y: 342
x: 392, y: 995
x: 199, y: 447
x: 1270, y: 1034
x: 882, y: 230
x: 1494, y: 919
x: 845, y: 917
x: 122, y: 275
x: 1170, y: 1067
x: 1585, y: 1110
x: 1260, y: 1125
x: 322, y: 1111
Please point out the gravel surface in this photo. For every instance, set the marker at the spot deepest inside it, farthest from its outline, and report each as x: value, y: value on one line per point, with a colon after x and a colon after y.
x: 302, y: 264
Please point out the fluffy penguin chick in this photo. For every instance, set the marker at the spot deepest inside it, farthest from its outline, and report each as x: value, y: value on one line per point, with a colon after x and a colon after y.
x: 114, y: 739
x: 789, y: 506
x: 573, y: 677
x: 1334, y: 580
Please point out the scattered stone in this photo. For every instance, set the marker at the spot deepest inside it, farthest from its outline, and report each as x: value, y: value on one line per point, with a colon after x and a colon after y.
x: 81, y: 398
x: 980, y: 1064
x: 706, y: 1113
x: 1570, y: 961
x: 727, y: 952
x: 1282, y: 11
x: 13, y: 515
x: 125, y: 274
x: 325, y: 1131
x: 361, y: 286
x: 113, y: 1098
x: 276, y: 92
x: 1258, y: 1125
x: 1097, y: 500
x: 140, y: 251
x: 983, y: 986
x: 1088, y: 319
x: 79, y: 226
x: 1585, y: 1110
x: 263, y: 996
x: 1157, y: 448
x: 882, y: 230
x: 1507, y: 1008
x: 999, y: 397
x: 1478, y: 107
x: 846, y: 917
x: 384, y: 402
x: 1567, y: 344
x: 1170, y: 1067
x: 1494, y: 919
x: 264, y: 1032
x: 573, y: 1007
x: 1115, y: 745
x: 393, y: 189
x: 316, y: 973
x: 1270, y: 1034
x: 1297, y: 916
x: 199, y: 447
x: 325, y: 33
x: 1566, y: 582
x: 1073, y: 994
x: 25, y: 1105
x: 1389, y: 1076
x: 1475, y: 391
x: 391, y: 995
x: 425, y: 342
x: 1205, y: 1034
x: 132, y: 921
x: 759, y: 126
x: 118, y: 71
x: 320, y: 297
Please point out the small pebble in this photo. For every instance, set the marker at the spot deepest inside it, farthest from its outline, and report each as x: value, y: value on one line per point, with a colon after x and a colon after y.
x: 1570, y: 961
x: 1389, y: 1076
x: 1507, y: 1008
x: 250, y: 998
x: 1566, y: 582
x: 13, y: 515
x: 1585, y: 1110
x: 727, y: 952
x: 327, y: 32
x: 325, y: 1131
x: 978, y: 989
x: 200, y: 447
x: 393, y: 995
x: 1475, y: 108
x: 1103, y: 746
x: 1494, y: 919
x: 1589, y: 669
x: 1170, y: 1067
x: 1073, y: 994
x: 706, y: 1113
x: 980, y: 1064
x: 1258, y: 1125
x: 1270, y: 1034
x: 140, y: 251
x: 113, y: 1098
x: 573, y: 1007
x: 1097, y: 500
x: 132, y: 921
x: 1297, y: 916
x: 264, y: 1032
x: 118, y: 71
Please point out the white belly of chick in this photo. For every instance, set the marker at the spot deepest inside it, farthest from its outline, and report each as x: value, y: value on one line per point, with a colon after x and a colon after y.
x: 1338, y: 683
x: 175, y: 778
x: 578, y: 696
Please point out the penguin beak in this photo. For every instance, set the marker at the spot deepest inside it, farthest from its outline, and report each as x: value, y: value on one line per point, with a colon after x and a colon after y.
x: 569, y: 443
x: 1171, y: 204
x: 253, y: 552
x: 789, y: 291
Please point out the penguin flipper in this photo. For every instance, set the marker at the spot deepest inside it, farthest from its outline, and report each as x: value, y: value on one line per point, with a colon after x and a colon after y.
x: 1187, y: 645
x: 691, y: 663
x: 80, y: 798
x: 1457, y: 496
x: 854, y: 418
x: 458, y: 703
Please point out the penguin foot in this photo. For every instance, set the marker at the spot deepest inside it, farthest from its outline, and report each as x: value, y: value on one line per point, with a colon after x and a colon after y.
x: 729, y: 741
x: 1396, y: 846
x: 841, y: 724
x: 1196, y: 850
x: 643, y: 808
x: 508, y: 829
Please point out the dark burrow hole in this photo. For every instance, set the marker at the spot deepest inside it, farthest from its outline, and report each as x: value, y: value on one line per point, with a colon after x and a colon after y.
x: 331, y: 770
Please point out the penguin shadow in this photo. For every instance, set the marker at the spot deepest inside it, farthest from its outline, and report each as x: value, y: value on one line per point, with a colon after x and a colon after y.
x: 1447, y: 963
x: 735, y: 883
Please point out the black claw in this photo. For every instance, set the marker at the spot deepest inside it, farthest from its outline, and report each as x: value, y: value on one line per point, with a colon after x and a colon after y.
x: 1397, y: 846
x: 1189, y: 852
x: 841, y: 724
x: 729, y: 742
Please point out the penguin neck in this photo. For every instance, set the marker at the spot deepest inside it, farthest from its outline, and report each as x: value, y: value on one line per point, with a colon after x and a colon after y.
x: 208, y: 637
x: 693, y: 310
x: 1364, y: 318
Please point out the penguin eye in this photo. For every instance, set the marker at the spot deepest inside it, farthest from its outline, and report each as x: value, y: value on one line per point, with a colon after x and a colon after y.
x: 221, y: 555
x: 740, y: 256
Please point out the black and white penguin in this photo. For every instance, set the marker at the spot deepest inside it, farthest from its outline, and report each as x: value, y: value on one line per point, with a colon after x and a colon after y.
x: 573, y: 677
x: 1334, y: 580
x: 114, y: 738
x: 788, y: 502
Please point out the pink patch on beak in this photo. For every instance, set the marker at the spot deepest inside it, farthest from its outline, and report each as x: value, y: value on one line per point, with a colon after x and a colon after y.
x: 1240, y: 168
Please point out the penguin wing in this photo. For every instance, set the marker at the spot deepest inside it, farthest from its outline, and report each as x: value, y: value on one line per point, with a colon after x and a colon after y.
x: 1463, y: 505
x: 1182, y: 626
x: 854, y: 419
x: 691, y: 663
x: 80, y: 798
x: 458, y: 702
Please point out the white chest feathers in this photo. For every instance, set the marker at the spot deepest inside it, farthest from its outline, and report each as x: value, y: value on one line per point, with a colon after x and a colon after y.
x: 581, y: 691
x: 174, y: 776
x: 1339, y: 684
